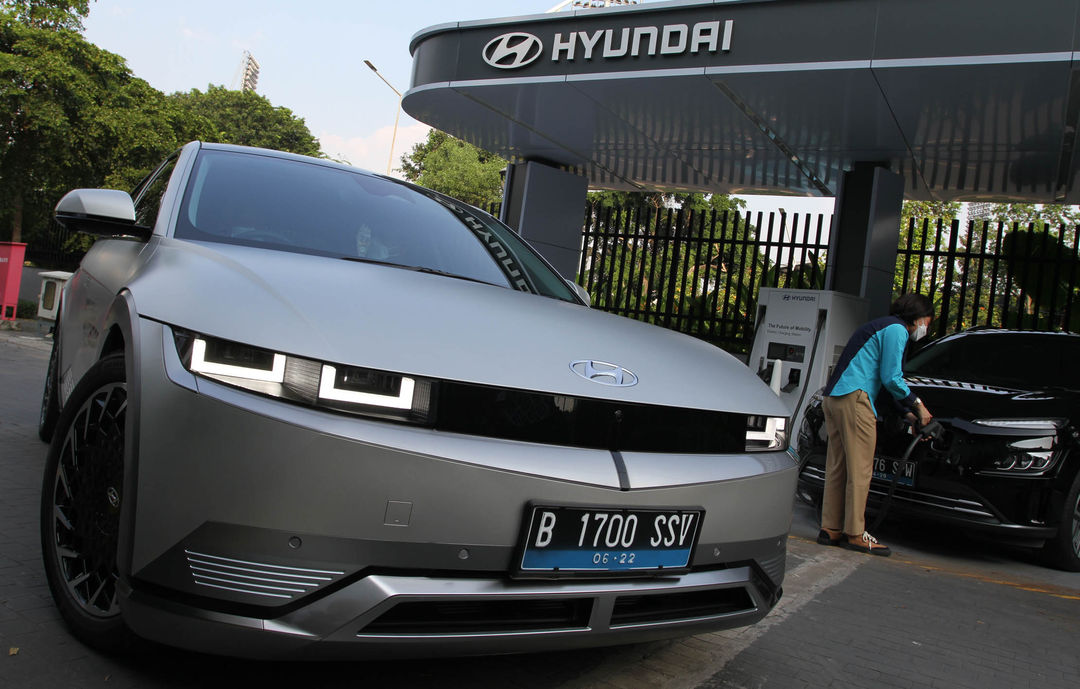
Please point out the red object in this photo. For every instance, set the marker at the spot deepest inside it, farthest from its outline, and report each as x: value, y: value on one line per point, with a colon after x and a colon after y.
x: 11, y: 265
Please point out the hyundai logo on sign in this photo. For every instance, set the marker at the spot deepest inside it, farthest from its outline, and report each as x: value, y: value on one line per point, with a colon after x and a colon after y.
x: 604, y: 373
x: 512, y: 50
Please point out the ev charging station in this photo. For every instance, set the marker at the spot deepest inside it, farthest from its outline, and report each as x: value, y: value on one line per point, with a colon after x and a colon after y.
x: 799, y: 337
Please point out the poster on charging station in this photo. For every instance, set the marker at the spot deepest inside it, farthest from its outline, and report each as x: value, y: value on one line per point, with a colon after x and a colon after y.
x: 800, y: 335
x: 787, y: 332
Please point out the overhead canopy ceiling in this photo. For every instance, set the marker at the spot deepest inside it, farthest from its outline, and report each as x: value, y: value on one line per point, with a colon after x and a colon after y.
x: 967, y: 99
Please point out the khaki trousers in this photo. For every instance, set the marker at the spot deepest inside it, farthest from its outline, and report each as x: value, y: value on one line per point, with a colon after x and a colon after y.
x: 849, y: 462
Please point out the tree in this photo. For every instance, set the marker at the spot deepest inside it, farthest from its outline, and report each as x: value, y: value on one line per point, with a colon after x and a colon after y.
x: 686, y: 261
x: 71, y: 114
x: 1042, y: 268
x: 919, y: 231
x: 1014, y: 265
x: 1053, y: 214
x: 48, y: 14
x: 245, y: 118
x: 455, y: 168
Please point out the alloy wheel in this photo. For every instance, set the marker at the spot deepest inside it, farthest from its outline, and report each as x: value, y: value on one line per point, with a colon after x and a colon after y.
x: 86, y: 500
x: 1076, y: 526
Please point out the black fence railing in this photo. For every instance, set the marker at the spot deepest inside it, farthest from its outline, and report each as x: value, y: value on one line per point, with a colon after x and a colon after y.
x: 992, y: 273
x: 57, y: 248
x: 697, y: 272
x: 700, y: 272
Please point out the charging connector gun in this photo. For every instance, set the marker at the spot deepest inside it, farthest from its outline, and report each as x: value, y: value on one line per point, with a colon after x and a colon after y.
x: 930, y: 430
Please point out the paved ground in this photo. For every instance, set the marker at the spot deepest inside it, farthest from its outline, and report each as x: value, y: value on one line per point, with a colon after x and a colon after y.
x: 942, y: 612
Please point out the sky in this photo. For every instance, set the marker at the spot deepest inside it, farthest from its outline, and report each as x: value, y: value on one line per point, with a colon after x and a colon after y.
x: 311, y: 57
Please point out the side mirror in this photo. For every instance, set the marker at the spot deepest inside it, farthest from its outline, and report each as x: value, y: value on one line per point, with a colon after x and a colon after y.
x: 580, y: 291
x: 107, y: 212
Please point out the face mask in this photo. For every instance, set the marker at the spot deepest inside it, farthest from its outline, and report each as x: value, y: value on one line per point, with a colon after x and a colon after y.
x: 920, y: 332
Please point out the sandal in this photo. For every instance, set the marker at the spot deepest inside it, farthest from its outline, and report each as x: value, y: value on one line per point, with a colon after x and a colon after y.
x: 825, y: 537
x: 867, y: 544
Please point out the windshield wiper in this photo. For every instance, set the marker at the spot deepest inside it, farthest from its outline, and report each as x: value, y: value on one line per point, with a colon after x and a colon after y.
x: 418, y: 269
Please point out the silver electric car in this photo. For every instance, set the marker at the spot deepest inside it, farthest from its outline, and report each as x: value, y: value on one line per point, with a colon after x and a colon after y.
x: 301, y: 410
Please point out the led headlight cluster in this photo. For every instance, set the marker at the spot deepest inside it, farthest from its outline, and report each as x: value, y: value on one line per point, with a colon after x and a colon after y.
x: 766, y: 433
x: 1028, y: 456
x: 343, y: 388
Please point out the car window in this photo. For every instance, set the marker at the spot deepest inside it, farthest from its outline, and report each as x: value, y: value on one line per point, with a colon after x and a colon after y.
x: 1034, y: 360
x: 291, y: 205
x: 150, y: 191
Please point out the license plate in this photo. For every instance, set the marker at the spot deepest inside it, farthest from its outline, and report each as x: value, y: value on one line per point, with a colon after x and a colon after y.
x: 884, y: 469
x: 606, y: 539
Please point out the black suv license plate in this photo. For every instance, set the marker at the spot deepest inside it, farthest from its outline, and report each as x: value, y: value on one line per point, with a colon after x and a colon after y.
x: 884, y: 469
x: 606, y: 539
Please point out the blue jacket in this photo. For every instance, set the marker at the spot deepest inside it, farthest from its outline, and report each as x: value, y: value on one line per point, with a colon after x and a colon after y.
x: 873, y: 357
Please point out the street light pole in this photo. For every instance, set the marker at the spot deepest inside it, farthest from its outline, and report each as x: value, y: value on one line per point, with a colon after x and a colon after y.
x: 397, y: 115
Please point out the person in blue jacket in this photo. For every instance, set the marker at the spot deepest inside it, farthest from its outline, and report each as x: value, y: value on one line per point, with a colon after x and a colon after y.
x: 872, y: 358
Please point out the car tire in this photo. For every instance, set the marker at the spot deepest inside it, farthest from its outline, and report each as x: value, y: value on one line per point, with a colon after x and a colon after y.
x: 1063, y: 551
x: 50, y: 397
x: 80, y: 507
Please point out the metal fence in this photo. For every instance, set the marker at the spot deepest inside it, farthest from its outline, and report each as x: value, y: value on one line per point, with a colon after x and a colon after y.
x: 57, y: 248
x: 992, y: 273
x: 698, y: 272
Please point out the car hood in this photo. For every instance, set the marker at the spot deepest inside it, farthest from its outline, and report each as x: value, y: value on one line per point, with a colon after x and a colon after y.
x: 404, y: 321
x: 958, y: 399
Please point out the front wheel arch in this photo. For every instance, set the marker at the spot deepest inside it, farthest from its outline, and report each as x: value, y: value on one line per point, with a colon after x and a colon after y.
x: 81, y: 498
x: 1063, y: 550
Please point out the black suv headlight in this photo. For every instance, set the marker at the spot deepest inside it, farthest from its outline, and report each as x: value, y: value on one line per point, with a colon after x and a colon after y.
x: 1032, y: 455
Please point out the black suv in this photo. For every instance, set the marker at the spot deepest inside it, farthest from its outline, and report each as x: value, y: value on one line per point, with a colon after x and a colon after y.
x: 1008, y: 461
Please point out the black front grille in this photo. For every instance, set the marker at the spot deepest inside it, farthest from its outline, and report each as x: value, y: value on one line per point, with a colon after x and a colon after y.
x: 586, y: 422
x: 482, y: 616
x: 680, y: 606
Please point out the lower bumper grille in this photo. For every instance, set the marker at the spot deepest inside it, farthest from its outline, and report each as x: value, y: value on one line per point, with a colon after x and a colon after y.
x: 487, y: 616
x: 482, y: 616
x: 669, y: 607
x: 879, y: 489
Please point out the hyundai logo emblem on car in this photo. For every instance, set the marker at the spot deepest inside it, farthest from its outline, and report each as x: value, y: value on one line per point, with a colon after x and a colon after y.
x: 512, y: 50
x: 604, y: 373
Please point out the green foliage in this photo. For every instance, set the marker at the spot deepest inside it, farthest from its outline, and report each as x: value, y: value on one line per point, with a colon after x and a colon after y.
x: 625, y: 199
x: 455, y: 168
x: 696, y: 269
x: 1044, y: 269
x: 48, y: 14
x: 695, y: 202
x: 1013, y: 267
x: 72, y: 115
x: 919, y: 222
x: 246, y: 118
x: 1053, y: 214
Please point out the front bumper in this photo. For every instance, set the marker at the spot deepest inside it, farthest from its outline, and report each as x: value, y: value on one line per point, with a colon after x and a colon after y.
x: 260, y: 528
x: 380, y: 616
x: 967, y: 509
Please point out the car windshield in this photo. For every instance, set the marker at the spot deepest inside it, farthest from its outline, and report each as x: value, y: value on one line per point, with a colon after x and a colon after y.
x: 264, y: 201
x: 1027, y: 361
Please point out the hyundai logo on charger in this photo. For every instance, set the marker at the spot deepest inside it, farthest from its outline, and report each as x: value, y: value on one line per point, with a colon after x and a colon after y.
x: 604, y: 373
x: 512, y: 50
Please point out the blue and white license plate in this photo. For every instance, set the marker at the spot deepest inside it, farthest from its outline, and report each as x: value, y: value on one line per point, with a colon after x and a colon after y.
x: 609, y: 539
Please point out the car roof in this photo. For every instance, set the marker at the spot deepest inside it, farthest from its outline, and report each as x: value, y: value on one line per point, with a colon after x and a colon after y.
x: 234, y: 148
x: 980, y: 330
